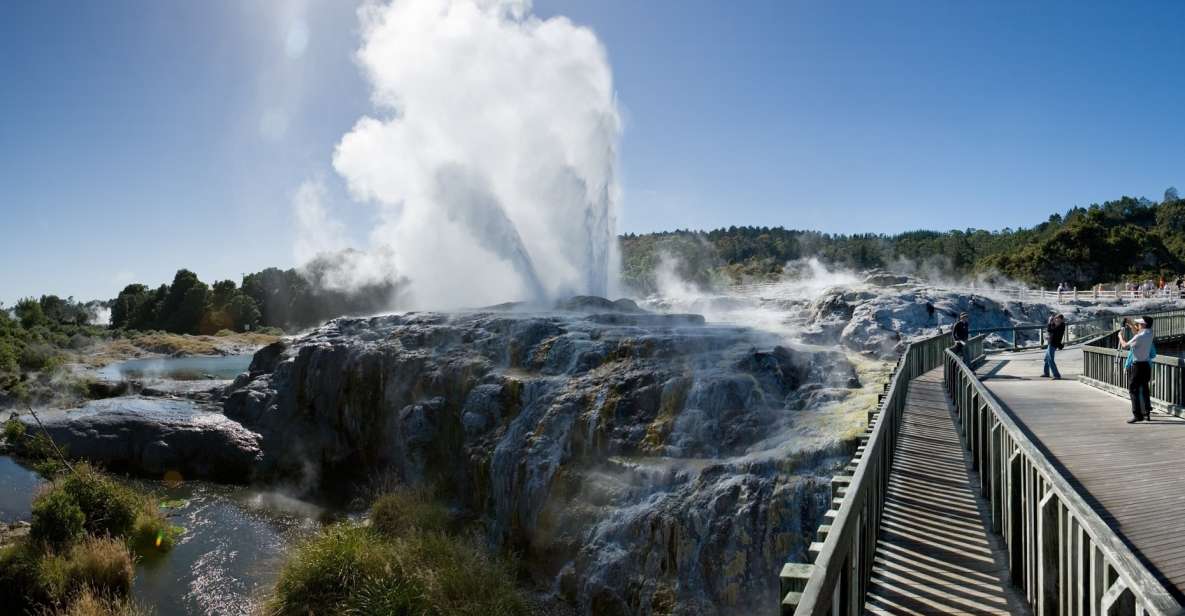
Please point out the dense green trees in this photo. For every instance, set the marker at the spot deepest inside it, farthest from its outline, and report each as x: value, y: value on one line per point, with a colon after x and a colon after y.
x: 187, y: 306
x: 35, y: 332
x: 286, y: 299
x: 1117, y: 240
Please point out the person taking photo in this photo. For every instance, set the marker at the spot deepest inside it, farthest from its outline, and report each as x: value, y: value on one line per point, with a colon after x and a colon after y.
x: 1056, y: 332
x: 1139, y: 364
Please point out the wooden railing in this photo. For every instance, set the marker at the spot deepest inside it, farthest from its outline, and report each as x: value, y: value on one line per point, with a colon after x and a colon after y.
x: 1021, y: 293
x: 1061, y: 554
x: 836, y: 582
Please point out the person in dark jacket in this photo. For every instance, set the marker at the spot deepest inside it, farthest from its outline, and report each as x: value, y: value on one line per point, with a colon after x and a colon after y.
x: 1055, y: 332
x: 962, y: 334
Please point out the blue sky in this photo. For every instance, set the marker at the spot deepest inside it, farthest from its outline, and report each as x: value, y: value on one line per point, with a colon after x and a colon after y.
x: 140, y: 137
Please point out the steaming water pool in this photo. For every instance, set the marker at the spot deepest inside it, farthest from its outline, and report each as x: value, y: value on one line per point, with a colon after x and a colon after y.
x: 229, y: 555
x: 178, y: 368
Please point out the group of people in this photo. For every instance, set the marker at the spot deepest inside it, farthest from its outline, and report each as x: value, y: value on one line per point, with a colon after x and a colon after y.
x: 1136, y: 336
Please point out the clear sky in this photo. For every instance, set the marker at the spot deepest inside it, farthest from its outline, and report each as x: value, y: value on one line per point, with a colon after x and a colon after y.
x: 140, y: 137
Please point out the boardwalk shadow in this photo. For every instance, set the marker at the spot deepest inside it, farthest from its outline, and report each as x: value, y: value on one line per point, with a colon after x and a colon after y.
x: 934, y: 555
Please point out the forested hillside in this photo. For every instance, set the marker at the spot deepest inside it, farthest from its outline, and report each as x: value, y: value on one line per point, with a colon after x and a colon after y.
x: 1114, y: 241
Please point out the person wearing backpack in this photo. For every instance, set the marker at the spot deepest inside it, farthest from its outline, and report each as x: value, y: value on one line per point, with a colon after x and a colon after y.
x: 1141, y: 351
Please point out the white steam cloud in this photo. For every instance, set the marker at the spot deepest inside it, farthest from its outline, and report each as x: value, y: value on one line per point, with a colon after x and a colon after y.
x: 491, y: 153
x: 316, y: 232
x: 323, y: 250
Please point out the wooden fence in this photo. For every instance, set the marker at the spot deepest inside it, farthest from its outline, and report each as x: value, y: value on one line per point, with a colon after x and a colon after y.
x: 1024, y: 294
x: 837, y: 580
x: 1061, y: 554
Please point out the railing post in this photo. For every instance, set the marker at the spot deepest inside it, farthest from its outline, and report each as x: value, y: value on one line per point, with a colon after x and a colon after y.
x: 1016, y: 558
x: 1048, y: 544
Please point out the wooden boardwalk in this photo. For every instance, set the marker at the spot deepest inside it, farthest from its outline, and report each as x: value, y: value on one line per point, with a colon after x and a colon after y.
x: 934, y: 554
x: 1132, y: 475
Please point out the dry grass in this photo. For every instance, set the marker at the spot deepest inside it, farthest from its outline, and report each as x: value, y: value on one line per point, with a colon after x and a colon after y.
x: 90, y: 603
x: 164, y: 343
x: 104, y: 563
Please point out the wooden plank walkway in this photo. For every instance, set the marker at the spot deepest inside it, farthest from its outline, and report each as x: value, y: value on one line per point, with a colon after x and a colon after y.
x: 934, y: 555
x: 1131, y: 474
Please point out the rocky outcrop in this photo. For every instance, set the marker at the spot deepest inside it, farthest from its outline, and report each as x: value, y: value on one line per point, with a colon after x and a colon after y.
x: 643, y: 463
x: 151, y: 436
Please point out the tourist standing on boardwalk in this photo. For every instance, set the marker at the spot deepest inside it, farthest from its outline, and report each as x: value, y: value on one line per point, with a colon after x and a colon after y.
x: 1056, y: 331
x: 1139, y: 363
x: 962, y: 334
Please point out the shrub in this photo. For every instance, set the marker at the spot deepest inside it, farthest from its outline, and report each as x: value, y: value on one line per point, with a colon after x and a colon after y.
x: 39, y: 356
x: 152, y: 533
x: 103, y: 564
x: 54, y: 582
x: 324, y: 571
x: 19, y: 583
x: 110, y: 508
x: 403, y: 510
x: 57, y: 519
x: 14, y: 431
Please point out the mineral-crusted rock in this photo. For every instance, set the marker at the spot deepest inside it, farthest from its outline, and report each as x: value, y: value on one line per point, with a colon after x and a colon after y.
x: 150, y: 436
x: 648, y: 463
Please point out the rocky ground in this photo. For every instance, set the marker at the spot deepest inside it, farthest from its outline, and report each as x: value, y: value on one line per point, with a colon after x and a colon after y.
x: 641, y: 461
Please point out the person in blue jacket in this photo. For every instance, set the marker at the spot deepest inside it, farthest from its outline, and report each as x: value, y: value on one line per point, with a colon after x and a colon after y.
x: 1141, y: 350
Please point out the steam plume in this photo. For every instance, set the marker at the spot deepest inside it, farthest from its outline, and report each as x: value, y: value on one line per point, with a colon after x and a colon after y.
x: 491, y: 152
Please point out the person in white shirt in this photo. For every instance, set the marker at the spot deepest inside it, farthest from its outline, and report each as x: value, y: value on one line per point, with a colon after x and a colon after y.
x: 1140, y: 372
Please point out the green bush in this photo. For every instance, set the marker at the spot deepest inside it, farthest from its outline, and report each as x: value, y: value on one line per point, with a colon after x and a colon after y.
x: 152, y: 534
x: 20, y: 587
x: 325, y: 571
x: 403, y: 510
x: 39, y: 356
x: 110, y: 508
x: 57, y: 519
x: 14, y: 431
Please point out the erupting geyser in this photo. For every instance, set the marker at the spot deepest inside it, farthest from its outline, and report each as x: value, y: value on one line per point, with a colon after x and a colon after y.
x: 491, y: 153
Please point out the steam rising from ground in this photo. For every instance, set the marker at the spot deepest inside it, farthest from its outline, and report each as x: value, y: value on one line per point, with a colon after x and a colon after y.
x: 490, y: 155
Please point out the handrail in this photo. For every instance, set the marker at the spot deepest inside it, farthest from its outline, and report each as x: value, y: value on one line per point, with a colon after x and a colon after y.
x: 1097, y: 325
x: 1059, y: 548
x: 838, y: 580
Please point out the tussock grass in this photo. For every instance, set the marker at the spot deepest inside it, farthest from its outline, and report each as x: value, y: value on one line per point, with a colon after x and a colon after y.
x: 404, y: 563
x: 91, y: 603
x: 405, y: 510
x: 37, y: 579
